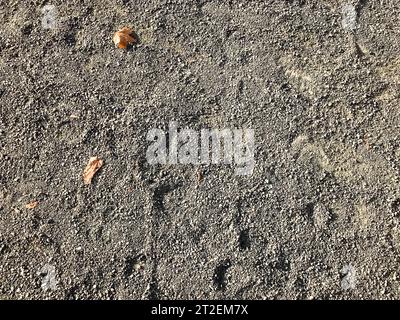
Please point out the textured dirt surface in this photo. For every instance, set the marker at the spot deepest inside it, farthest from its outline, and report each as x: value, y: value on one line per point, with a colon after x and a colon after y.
x: 319, y: 217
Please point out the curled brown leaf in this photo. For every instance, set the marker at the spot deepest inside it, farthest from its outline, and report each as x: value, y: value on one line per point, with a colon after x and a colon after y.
x: 123, y: 37
x: 92, y: 167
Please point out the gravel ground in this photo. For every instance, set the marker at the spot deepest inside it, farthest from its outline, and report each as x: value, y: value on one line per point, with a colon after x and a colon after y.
x: 318, y: 81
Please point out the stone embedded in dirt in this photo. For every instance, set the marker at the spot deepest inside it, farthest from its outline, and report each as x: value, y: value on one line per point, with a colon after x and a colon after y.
x: 349, y: 17
x: 124, y: 37
x: 138, y: 266
x: 322, y: 216
x: 49, y: 277
x: 32, y: 205
x: 93, y: 166
x: 199, y: 175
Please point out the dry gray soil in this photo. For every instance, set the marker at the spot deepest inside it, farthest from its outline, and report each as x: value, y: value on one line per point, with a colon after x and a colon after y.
x: 318, y: 218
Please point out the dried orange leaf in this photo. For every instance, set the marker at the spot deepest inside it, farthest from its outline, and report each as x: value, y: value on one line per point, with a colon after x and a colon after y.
x: 32, y: 205
x: 123, y: 37
x: 93, y: 166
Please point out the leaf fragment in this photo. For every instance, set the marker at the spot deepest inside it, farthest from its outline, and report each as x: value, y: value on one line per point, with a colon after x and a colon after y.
x: 32, y: 205
x: 92, y: 167
x: 124, y: 37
